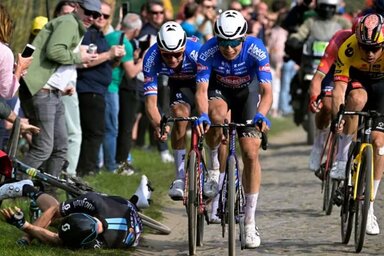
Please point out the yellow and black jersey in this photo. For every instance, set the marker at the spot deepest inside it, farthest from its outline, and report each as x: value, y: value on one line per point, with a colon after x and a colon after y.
x: 350, y: 64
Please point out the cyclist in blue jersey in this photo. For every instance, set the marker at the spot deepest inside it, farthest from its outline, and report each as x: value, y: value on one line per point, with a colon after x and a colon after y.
x: 236, y: 68
x: 175, y: 56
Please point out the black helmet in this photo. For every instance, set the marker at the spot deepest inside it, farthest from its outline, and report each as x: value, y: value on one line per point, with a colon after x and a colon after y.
x: 78, y: 229
x: 326, y: 9
x: 379, y: 6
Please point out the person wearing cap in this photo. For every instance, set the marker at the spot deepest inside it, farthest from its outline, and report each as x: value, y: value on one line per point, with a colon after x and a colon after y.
x: 41, y: 89
x: 37, y: 24
x: 91, y: 220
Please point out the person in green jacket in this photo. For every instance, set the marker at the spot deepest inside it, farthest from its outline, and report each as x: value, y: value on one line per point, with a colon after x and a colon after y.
x: 58, y: 52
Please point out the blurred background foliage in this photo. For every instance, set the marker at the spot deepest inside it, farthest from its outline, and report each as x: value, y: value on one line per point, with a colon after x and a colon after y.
x: 23, y: 12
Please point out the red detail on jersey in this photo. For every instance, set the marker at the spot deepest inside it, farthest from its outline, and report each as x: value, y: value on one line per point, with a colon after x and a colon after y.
x: 265, y: 68
x: 201, y: 67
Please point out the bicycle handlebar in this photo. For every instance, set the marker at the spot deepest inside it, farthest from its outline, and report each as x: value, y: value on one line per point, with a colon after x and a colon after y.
x: 165, y: 120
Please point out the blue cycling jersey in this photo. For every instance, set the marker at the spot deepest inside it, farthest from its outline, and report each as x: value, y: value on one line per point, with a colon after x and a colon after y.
x: 154, y: 65
x: 252, y: 63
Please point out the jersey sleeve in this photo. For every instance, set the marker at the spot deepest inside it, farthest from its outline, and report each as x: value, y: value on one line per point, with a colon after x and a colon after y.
x: 260, y: 56
x: 150, y: 70
x: 344, y: 60
x: 86, y: 203
x: 204, y: 61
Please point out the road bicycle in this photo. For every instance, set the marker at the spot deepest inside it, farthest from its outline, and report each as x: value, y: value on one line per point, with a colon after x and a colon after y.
x: 328, y: 185
x: 195, y: 176
x: 357, y: 188
x: 232, y: 196
x: 72, y: 186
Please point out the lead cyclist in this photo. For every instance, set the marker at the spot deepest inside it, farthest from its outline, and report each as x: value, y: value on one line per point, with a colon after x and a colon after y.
x: 236, y: 69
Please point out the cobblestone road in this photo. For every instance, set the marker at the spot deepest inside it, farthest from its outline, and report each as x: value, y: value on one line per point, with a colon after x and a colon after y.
x: 289, y: 215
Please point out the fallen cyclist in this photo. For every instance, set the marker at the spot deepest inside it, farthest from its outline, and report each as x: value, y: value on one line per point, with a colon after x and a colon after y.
x: 91, y: 220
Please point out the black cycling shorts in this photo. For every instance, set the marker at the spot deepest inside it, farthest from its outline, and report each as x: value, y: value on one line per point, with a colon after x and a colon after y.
x: 243, y: 103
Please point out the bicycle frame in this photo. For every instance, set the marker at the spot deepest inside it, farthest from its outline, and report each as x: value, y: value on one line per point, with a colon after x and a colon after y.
x: 232, y: 197
x: 194, y: 180
x: 357, y: 160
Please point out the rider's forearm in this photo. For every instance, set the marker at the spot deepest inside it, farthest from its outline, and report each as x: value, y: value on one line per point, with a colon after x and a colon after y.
x: 266, y: 99
x: 152, y: 110
x: 315, y: 87
x: 201, y: 98
x: 44, y: 235
x: 338, y: 95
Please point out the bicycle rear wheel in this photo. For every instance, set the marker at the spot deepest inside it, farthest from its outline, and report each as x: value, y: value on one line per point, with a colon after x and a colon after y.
x: 192, y: 203
x: 363, y: 197
x: 231, y: 205
x: 347, y: 207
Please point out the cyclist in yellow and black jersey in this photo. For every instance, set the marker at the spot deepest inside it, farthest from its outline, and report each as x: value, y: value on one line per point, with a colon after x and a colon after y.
x: 359, y: 82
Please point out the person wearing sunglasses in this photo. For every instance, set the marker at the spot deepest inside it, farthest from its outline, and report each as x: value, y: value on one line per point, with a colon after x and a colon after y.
x: 173, y: 55
x: 233, y: 73
x: 360, y: 69
x: 91, y: 220
x: 57, y: 52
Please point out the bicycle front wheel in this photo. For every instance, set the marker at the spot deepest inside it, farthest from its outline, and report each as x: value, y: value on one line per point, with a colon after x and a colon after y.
x: 363, y: 197
x: 231, y: 205
x: 192, y: 203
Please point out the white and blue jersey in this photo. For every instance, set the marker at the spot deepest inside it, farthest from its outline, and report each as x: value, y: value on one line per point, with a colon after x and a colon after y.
x: 153, y: 66
x: 252, y: 63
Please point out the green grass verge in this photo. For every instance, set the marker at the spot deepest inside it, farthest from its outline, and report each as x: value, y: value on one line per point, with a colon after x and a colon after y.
x: 148, y: 163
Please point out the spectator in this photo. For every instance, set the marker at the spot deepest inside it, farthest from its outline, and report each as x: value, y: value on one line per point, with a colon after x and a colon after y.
x: 71, y: 104
x: 9, y: 80
x: 57, y: 49
x: 37, y: 24
x: 189, y: 24
x: 92, y: 85
x: 206, y: 18
x: 131, y: 26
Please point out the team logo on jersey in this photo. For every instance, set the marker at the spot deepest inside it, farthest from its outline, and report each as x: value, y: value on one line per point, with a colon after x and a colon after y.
x: 201, y: 67
x: 376, y: 67
x: 234, y: 81
x: 256, y: 52
x: 265, y: 68
x: 349, y: 51
x: 208, y: 53
x: 194, y: 55
x: 149, y: 62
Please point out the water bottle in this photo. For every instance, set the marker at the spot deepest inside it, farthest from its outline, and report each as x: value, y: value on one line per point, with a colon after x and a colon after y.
x: 34, y: 211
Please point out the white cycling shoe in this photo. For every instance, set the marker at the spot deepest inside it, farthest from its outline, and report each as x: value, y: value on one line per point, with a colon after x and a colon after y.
x: 13, y: 190
x: 143, y: 192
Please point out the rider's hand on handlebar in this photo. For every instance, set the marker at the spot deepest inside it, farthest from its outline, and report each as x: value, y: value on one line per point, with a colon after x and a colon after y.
x: 202, y: 124
x: 266, y: 124
x: 162, y: 136
x: 315, y: 104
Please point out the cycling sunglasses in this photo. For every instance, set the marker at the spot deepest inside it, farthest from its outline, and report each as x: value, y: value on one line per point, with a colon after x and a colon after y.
x: 371, y: 48
x: 89, y: 13
x: 170, y: 55
x: 229, y: 43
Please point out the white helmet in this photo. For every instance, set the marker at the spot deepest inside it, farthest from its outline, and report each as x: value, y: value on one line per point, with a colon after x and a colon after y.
x: 329, y: 2
x: 171, y: 37
x: 231, y: 25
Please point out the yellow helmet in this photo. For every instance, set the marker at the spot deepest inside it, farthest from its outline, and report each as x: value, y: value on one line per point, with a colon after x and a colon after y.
x: 38, y: 23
